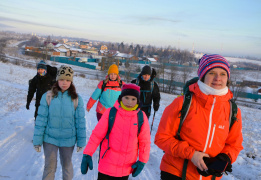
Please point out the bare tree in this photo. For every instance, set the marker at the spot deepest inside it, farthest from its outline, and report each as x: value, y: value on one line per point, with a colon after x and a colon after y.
x: 34, y: 41
x: 236, y: 83
x: 186, y: 71
x: 3, y: 42
x: 173, y: 76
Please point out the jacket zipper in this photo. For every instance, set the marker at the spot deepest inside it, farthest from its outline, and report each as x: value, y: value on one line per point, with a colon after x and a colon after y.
x: 213, y: 132
x: 209, y: 126
x: 61, y: 111
x: 209, y: 129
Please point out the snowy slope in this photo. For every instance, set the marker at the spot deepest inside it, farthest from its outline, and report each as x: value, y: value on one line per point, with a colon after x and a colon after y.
x: 20, y: 161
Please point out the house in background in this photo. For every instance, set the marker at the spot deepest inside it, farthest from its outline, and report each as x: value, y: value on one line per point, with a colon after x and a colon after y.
x: 125, y: 56
x: 61, y: 49
x: 104, y: 48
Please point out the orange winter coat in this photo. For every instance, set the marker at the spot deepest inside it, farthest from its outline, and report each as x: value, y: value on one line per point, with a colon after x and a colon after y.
x: 205, y: 129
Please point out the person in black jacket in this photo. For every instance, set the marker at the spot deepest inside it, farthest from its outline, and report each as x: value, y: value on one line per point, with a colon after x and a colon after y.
x: 149, y: 90
x: 42, y: 82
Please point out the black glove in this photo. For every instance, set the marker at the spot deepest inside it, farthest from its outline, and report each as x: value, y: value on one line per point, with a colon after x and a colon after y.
x: 216, y: 165
x: 225, y: 157
x: 27, y: 106
x: 156, y: 107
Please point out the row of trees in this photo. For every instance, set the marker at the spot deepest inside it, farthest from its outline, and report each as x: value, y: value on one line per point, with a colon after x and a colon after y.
x: 172, y: 78
x: 167, y: 54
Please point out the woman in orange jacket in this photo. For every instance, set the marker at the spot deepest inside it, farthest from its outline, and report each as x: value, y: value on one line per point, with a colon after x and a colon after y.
x: 205, y: 132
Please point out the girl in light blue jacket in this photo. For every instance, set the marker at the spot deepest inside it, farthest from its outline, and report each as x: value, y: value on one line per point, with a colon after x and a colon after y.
x: 60, y: 124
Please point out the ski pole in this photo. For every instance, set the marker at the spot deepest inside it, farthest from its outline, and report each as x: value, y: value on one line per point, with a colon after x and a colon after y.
x: 152, y: 121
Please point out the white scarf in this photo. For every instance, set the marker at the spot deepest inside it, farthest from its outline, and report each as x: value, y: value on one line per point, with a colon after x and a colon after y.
x: 211, y: 91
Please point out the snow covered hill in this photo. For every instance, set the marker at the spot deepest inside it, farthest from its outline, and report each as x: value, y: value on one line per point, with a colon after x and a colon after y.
x: 20, y: 161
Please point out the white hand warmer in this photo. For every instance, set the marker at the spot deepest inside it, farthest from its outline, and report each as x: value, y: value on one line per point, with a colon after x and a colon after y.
x: 37, y: 148
x: 79, y: 149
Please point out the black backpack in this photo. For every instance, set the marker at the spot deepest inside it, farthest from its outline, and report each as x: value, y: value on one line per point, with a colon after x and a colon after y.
x: 185, y: 109
x: 112, y: 116
x: 104, y: 85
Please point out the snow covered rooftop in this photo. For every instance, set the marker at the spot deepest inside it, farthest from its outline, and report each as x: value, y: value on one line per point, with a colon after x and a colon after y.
x: 58, y: 45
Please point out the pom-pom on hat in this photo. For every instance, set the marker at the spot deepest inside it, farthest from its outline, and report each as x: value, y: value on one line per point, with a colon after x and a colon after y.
x: 65, y: 72
x: 113, y: 69
x: 42, y: 65
x: 208, y: 62
x: 146, y: 70
x: 130, y: 90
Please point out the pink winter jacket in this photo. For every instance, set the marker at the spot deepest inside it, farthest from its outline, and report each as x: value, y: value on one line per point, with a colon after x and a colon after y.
x: 125, y: 145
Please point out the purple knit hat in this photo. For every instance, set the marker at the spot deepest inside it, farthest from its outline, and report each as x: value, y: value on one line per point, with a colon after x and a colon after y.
x: 208, y: 62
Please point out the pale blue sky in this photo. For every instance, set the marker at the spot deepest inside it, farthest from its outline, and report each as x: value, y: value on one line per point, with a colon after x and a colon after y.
x: 226, y: 27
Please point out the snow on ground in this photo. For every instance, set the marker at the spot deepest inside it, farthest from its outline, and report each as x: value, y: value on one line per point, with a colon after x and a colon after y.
x: 20, y: 161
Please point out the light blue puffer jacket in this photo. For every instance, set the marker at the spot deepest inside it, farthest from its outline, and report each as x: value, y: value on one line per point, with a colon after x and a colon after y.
x: 60, y: 124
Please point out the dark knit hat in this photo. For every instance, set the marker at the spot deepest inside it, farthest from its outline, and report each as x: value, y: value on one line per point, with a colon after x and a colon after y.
x: 65, y: 72
x: 146, y: 70
x: 41, y: 65
x: 131, y: 90
x: 208, y: 62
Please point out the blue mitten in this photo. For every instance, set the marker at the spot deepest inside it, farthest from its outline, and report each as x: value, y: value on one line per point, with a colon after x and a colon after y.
x: 86, y: 163
x: 137, y: 168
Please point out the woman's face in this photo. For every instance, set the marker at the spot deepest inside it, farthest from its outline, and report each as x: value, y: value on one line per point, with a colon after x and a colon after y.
x: 129, y: 101
x: 64, y: 84
x: 113, y: 76
x: 216, y: 78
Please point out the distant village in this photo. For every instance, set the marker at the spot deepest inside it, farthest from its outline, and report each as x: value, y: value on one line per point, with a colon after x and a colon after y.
x: 82, y: 50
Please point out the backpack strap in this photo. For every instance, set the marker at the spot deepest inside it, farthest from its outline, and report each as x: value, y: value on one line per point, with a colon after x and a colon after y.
x: 137, y: 81
x: 120, y: 83
x: 140, y: 120
x: 103, y: 86
x: 75, y: 102
x: 233, y: 113
x: 184, y: 111
x: 183, y: 114
x: 151, y: 86
x: 49, y: 97
x: 112, y: 116
x: 184, y: 169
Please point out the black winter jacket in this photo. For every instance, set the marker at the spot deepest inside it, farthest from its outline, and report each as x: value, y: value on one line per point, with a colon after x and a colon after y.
x: 41, y: 84
x: 147, y: 97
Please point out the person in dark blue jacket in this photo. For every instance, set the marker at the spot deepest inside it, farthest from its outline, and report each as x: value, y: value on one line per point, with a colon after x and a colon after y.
x: 60, y: 124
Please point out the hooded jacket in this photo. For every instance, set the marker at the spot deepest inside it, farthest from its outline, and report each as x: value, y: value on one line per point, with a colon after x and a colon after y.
x: 107, y: 98
x: 147, y: 97
x: 124, y: 142
x: 205, y: 129
x: 60, y: 123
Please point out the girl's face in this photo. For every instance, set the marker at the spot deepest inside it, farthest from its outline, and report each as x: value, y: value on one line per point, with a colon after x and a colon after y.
x: 129, y: 101
x: 64, y: 84
x: 216, y: 78
x: 113, y: 76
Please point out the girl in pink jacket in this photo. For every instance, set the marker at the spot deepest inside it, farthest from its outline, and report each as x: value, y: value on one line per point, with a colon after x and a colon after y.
x: 120, y: 147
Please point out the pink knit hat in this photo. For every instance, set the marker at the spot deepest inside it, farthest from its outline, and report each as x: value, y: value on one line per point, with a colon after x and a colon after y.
x: 130, y: 89
x: 208, y: 62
